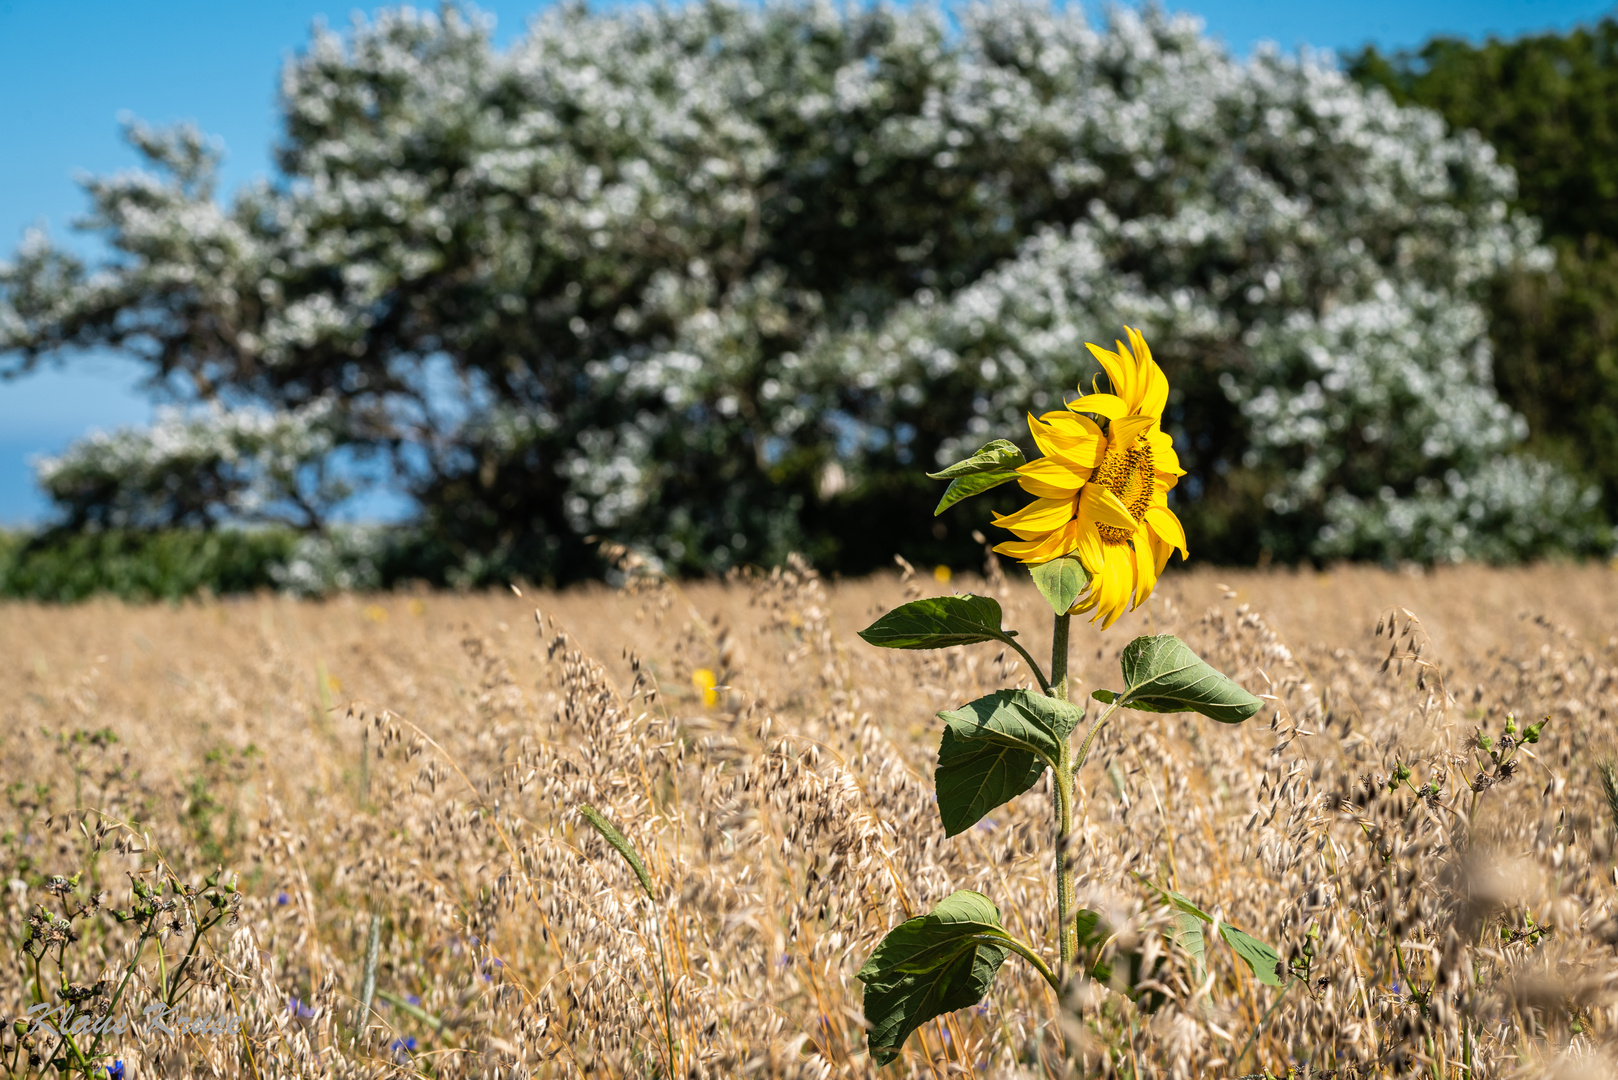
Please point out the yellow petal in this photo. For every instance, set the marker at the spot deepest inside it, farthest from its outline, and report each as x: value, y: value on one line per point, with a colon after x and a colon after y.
x: 1041, y: 515
x: 1021, y: 550
x: 1120, y: 369
x: 1146, y: 570
x: 1110, y: 406
x: 1111, y: 585
x: 1126, y: 429
x: 1046, y: 439
x: 1088, y: 547
x: 1073, y: 437
x: 1057, y: 543
x: 1161, y: 550
x: 1099, y: 506
x: 1152, y: 384
x: 1162, y: 521
x: 1054, y: 473
x: 1071, y: 425
x: 1164, y: 459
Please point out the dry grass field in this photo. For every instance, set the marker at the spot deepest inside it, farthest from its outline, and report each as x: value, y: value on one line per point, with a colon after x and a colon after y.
x: 419, y: 759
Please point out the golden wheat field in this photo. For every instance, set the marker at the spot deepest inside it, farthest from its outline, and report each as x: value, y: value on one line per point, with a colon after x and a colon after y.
x: 414, y: 763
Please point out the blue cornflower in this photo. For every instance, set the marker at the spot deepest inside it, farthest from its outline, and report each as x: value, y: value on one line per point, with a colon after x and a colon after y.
x: 282, y: 900
x: 402, y: 1048
x: 413, y: 999
x: 115, y: 1071
x: 299, y: 1009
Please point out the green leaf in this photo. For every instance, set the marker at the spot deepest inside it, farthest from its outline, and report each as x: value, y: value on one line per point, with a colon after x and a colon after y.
x: 991, y: 457
x: 994, y: 749
x: 1163, y: 675
x: 995, y: 464
x: 968, y: 486
x: 1106, y: 697
x: 938, y: 622
x: 1264, y: 961
x: 1061, y: 582
x: 1188, y: 936
x: 930, y: 965
x: 620, y: 843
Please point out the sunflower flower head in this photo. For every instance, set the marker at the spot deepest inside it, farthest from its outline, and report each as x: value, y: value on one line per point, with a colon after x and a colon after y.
x: 1101, y: 488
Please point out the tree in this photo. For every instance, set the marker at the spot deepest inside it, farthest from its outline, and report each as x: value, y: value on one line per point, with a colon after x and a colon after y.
x: 1549, y: 105
x: 723, y: 280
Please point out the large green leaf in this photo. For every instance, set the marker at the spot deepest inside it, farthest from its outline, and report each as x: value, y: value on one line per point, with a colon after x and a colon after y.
x: 1061, y: 582
x: 620, y: 844
x: 937, y: 622
x: 994, y: 749
x: 930, y: 965
x: 994, y: 464
x: 1162, y: 674
x: 1263, y: 961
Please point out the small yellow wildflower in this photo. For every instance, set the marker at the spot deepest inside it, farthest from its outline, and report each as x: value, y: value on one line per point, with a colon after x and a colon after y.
x: 942, y: 574
x: 704, y: 680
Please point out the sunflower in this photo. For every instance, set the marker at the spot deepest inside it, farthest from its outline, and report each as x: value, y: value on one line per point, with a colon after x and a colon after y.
x: 1100, y: 492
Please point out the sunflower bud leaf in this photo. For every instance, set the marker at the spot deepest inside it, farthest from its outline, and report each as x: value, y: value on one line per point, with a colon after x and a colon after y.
x: 931, y: 965
x: 1162, y: 674
x: 994, y: 464
x: 991, y: 457
x: 1061, y: 582
x: 939, y: 622
x: 994, y: 749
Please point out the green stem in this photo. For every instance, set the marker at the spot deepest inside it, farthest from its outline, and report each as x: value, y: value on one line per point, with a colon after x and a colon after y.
x: 1033, y: 665
x: 1089, y: 736
x: 373, y: 942
x: 129, y: 972
x: 668, y: 1007
x: 1028, y: 954
x: 1259, y: 1029
x: 1057, y: 687
x: 173, y: 995
x: 414, y: 1010
x: 1067, y: 933
x: 1067, y: 929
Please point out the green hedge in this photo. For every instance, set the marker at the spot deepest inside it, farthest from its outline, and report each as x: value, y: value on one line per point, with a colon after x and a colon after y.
x: 61, y: 566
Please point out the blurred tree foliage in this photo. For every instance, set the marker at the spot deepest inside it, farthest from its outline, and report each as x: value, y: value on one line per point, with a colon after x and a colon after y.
x: 723, y: 280
x: 1549, y: 105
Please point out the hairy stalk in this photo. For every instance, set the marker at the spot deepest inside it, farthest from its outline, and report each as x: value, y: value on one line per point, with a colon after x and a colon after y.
x: 1067, y: 937
x: 1057, y: 687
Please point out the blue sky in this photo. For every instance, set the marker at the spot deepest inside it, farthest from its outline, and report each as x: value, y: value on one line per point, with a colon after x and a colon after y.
x: 69, y: 68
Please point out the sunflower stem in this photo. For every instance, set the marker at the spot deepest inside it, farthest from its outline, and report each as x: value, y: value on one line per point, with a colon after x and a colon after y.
x: 1066, y: 927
